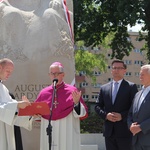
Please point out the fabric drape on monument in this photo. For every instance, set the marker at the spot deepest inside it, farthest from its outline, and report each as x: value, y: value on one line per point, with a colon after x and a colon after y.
x: 68, y: 19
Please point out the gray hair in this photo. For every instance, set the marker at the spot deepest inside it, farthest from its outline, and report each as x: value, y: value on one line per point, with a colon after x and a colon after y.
x: 146, y: 67
x: 61, y: 69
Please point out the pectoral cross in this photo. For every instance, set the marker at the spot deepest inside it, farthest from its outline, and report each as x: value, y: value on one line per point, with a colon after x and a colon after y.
x: 55, y: 104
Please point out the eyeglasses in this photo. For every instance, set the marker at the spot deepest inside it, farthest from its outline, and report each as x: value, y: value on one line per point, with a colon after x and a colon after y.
x: 117, y: 68
x: 55, y: 73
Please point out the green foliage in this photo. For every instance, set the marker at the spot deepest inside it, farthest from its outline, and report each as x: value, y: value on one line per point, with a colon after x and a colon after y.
x: 120, y: 44
x: 87, y: 61
x: 92, y: 124
x: 94, y: 20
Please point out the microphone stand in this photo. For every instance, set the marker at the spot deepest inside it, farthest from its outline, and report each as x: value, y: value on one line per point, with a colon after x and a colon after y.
x: 49, y: 128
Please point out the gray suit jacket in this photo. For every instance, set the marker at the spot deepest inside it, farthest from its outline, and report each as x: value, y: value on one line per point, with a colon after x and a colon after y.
x: 142, y: 117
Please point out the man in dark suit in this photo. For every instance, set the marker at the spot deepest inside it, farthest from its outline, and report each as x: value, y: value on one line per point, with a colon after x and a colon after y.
x: 139, y: 114
x: 114, y: 108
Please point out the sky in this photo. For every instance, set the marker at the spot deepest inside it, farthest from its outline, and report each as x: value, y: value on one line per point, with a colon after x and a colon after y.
x: 135, y: 28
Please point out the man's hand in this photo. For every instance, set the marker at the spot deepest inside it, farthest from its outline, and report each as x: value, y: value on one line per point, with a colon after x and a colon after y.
x: 76, y: 96
x: 24, y: 103
x: 113, y: 117
x: 135, y: 128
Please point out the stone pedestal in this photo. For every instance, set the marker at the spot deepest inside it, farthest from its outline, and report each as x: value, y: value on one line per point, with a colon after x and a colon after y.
x: 89, y: 147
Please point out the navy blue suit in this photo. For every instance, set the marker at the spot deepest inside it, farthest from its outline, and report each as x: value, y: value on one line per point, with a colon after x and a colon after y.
x: 122, y: 104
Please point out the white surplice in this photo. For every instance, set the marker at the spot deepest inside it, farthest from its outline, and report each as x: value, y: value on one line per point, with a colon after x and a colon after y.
x: 8, y: 119
x: 65, y: 132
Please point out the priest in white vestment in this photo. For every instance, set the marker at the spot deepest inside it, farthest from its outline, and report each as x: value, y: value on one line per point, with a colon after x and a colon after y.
x: 67, y: 109
x: 8, y: 109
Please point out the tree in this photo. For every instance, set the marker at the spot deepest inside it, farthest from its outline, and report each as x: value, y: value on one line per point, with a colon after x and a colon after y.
x: 88, y: 61
x: 95, y: 19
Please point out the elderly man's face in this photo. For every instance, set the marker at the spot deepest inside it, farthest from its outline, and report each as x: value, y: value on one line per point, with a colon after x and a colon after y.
x: 56, y: 74
x: 145, y: 77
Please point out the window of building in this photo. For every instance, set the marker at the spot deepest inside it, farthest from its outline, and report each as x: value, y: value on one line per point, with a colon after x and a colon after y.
x: 82, y: 73
x: 109, y: 55
x: 109, y: 67
x: 139, y: 86
x: 83, y: 48
x: 109, y: 79
x: 96, y: 73
x: 85, y: 97
x: 96, y: 48
x: 137, y: 74
x: 138, y: 62
x: 137, y: 51
x: 84, y: 84
x: 96, y: 85
x: 94, y: 96
x: 129, y: 39
x: 128, y: 62
x: 137, y: 39
x: 128, y: 74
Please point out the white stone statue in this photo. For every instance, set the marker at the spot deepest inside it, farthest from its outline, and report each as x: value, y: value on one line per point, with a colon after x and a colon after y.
x: 33, y: 28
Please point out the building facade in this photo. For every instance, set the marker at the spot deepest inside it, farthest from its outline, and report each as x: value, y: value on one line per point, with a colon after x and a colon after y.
x: 134, y: 61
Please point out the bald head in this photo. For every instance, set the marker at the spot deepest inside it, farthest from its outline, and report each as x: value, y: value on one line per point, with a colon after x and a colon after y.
x: 6, y: 68
x: 5, y: 61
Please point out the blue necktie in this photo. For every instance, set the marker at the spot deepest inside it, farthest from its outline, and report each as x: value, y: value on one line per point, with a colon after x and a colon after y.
x: 114, y: 92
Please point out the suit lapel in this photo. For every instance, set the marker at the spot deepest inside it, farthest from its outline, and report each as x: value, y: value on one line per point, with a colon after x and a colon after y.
x: 145, y: 99
x: 136, y: 101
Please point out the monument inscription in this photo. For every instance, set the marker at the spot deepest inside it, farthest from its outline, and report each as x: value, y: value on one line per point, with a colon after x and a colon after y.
x: 31, y: 91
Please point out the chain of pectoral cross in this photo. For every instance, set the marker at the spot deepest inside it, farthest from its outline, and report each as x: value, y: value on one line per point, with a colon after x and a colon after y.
x: 55, y: 103
x: 55, y: 100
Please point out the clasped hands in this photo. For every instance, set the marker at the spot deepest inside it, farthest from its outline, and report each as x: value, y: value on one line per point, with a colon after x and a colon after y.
x: 113, y: 116
x: 135, y: 128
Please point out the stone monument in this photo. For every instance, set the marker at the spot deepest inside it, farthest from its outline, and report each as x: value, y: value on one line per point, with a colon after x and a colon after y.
x: 35, y: 33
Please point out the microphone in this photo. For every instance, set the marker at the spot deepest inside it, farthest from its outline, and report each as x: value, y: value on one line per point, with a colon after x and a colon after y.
x: 55, y: 81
